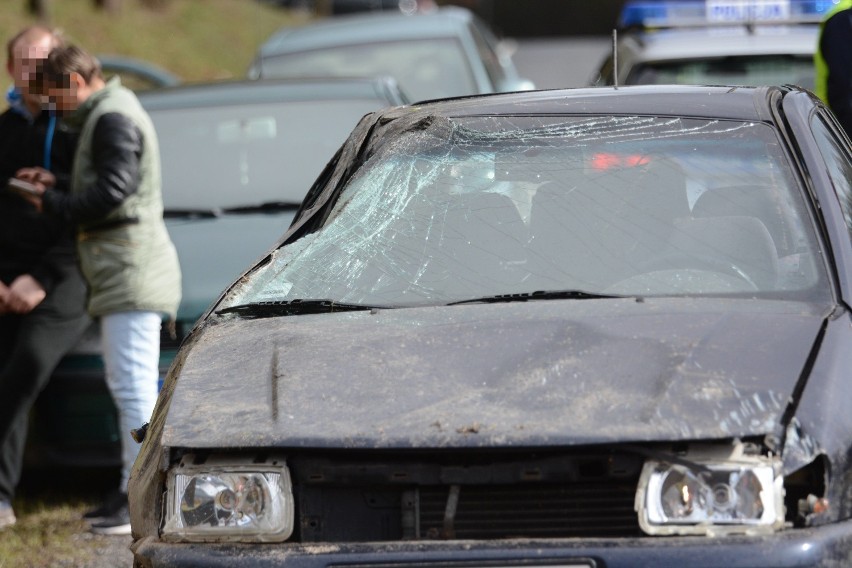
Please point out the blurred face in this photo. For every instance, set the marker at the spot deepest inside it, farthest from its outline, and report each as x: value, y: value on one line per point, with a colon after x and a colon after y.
x: 26, y: 55
x: 66, y: 94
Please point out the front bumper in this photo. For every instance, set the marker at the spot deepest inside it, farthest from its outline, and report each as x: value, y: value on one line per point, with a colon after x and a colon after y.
x: 827, y: 546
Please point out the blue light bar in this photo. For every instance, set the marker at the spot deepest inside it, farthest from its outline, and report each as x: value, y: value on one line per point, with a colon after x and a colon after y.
x: 673, y: 13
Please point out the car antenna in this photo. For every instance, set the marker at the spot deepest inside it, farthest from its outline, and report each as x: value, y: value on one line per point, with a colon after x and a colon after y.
x: 614, y: 58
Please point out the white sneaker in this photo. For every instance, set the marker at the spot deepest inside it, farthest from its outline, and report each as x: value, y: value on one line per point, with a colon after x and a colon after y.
x: 7, y: 515
x: 116, y: 524
x: 111, y: 505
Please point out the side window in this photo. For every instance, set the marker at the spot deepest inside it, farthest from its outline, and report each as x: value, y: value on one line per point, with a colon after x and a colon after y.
x: 837, y: 163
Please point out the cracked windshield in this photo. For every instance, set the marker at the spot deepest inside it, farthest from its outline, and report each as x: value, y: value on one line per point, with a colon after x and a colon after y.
x: 610, y: 205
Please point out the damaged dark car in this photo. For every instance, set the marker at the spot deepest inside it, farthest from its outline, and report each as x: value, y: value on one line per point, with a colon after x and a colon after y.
x: 592, y: 328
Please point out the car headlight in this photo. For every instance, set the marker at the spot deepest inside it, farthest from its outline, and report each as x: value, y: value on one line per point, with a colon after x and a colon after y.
x: 227, y: 501
x: 711, y: 496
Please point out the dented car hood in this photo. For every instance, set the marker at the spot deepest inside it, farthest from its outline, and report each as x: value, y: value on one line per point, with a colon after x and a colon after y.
x: 521, y: 374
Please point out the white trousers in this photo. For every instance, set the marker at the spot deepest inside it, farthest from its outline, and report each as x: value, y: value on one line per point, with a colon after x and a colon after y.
x: 131, y: 350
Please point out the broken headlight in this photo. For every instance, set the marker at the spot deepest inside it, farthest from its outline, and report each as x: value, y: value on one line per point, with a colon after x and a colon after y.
x: 742, y: 494
x: 229, y: 502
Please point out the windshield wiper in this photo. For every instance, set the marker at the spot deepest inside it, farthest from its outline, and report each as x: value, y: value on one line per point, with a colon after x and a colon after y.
x: 191, y: 213
x: 538, y: 295
x: 294, y: 308
x: 268, y: 207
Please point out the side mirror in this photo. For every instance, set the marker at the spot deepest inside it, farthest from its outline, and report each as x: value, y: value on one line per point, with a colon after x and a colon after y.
x: 506, y: 48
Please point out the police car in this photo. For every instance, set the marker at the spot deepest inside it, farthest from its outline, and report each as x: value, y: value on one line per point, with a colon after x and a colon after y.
x: 715, y: 42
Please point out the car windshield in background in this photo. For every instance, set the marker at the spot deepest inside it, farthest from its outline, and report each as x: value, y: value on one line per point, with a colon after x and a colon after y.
x: 441, y: 53
x: 426, y: 69
x: 512, y: 205
x: 258, y: 152
x: 733, y: 70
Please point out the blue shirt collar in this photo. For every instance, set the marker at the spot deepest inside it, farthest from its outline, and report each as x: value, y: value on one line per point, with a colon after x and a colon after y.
x: 16, y: 103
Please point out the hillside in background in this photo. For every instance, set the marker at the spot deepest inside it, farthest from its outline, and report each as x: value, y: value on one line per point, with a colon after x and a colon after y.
x: 216, y: 39
x: 194, y: 39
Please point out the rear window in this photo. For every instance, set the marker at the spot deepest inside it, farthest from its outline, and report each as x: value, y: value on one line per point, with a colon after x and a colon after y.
x: 240, y: 155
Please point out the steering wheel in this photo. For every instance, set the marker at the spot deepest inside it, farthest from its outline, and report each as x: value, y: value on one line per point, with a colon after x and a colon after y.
x: 697, y: 261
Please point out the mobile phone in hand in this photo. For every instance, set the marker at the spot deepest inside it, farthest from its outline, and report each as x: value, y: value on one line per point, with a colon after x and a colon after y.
x: 22, y: 187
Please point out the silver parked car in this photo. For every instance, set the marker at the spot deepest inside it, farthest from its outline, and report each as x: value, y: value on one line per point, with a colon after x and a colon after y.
x: 443, y: 53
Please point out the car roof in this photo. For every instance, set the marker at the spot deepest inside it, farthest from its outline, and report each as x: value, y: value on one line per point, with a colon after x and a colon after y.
x: 369, y: 27
x: 723, y: 102
x: 194, y: 95
x: 704, y: 42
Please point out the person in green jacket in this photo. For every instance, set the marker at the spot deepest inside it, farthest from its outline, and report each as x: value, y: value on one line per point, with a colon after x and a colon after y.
x: 833, y: 61
x: 125, y: 252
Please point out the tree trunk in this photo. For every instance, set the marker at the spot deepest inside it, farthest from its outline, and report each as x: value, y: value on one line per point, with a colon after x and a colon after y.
x: 108, y: 5
x: 323, y: 7
x: 154, y: 4
x: 40, y: 9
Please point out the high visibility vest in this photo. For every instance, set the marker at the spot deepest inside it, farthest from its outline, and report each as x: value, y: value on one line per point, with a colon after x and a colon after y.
x: 821, y: 68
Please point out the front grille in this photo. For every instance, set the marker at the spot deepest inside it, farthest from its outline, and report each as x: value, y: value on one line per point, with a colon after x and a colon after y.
x: 529, y: 511
x: 465, y: 496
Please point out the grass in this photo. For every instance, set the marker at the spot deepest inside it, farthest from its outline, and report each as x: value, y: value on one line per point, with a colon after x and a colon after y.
x: 50, y: 531
x: 47, y: 534
x: 194, y: 39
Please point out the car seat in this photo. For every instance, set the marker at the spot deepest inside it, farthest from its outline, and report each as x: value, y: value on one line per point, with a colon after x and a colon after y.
x: 757, y: 201
x: 737, y: 245
x: 481, y: 245
x: 595, y: 234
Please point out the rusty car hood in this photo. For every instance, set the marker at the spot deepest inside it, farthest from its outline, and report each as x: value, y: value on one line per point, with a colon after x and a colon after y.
x: 522, y: 374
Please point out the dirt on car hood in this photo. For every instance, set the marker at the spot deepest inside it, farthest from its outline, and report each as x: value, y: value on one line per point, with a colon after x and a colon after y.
x: 522, y: 374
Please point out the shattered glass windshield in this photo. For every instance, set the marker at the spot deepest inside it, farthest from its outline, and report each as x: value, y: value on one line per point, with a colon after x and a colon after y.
x: 467, y: 208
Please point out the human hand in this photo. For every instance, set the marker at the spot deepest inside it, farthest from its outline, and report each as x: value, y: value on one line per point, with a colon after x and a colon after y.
x: 37, y: 176
x: 4, y: 297
x: 37, y: 180
x: 25, y: 294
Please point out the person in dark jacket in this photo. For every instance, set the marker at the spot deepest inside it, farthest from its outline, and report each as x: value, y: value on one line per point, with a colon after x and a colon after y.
x: 42, y: 293
x: 125, y: 253
x: 833, y: 60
